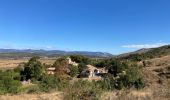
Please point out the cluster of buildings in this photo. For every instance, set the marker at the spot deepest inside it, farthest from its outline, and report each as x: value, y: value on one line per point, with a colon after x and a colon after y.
x: 51, y: 70
x: 91, y: 72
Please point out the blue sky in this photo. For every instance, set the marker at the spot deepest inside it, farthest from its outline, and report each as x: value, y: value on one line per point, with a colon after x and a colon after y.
x: 114, y: 26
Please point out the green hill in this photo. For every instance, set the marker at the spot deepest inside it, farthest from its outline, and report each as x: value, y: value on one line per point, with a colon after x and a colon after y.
x: 147, y: 54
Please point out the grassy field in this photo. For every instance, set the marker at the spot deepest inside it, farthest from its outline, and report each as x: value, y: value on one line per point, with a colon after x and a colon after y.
x: 13, y: 63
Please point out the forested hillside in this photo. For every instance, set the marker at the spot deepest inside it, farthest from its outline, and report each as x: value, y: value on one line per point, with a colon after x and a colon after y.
x: 147, y: 54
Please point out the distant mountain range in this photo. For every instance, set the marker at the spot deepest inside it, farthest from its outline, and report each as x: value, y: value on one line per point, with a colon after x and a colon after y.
x: 48, y: 53
x: 16, y: 53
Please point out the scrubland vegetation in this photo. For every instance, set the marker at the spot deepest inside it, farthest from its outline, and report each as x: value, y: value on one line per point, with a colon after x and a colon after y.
x: 124, y: 73
x: 34, y: 71
x: 153, y: 53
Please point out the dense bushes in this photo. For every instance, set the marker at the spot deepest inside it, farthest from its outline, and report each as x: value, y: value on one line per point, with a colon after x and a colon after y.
x: 49, y: 82
x: 74, y: 70
x: 122, y: 74
x: 108, y: 82
x: 133, y: 78
x: 116, y: 67
x: 101, y: 64
x: 80, y: 59
x: 9, y: 82
x: 83, y: 90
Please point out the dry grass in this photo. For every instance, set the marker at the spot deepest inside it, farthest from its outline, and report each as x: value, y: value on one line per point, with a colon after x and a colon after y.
x: 48, y: 60
x: 128, y: 95
x: 163, y: 61
x: 46, y: 96
x: 12, y: 63
x: 157, y: 87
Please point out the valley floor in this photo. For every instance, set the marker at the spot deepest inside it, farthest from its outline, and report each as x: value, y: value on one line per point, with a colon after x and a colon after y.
x: 157, y: 88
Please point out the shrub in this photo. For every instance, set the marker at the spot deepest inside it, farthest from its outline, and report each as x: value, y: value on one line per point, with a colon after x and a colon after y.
x: 49, y: 82
x: 7, y: 82
x: 33, y: 89
x: 116, y: 66
x: 83, y: 90
x: 133, y: 78
x: 108, y: 83
x: 29, y: 88
x: 82, y: 67
x: 73, y: 70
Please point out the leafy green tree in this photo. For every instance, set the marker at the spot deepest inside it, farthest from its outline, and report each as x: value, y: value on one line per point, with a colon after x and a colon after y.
x: 73, y: 70
x: 61, y: 66
x: 101, y: 64
x: 116, y: 67
x: 32, y: 69
x: 82, y: 67
x: 80, y: 59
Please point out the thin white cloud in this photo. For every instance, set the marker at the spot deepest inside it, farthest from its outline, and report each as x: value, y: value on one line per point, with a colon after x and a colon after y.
x: 140, y: 46
x: 49, y: 48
